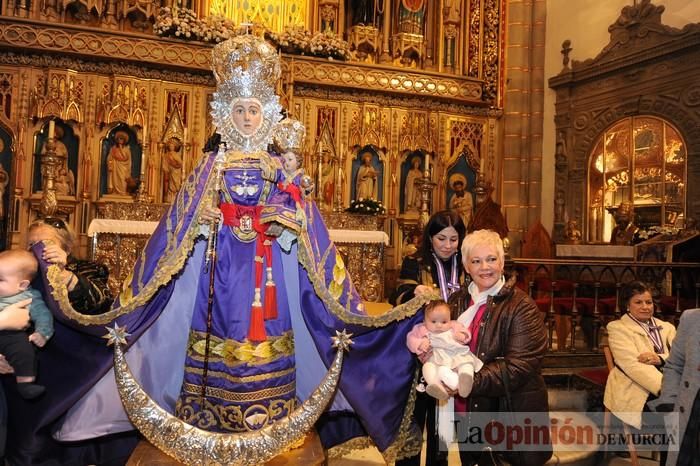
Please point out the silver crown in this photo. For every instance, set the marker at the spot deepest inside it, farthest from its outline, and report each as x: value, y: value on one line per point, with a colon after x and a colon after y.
x: 245, y: 67
x: 289, y: 135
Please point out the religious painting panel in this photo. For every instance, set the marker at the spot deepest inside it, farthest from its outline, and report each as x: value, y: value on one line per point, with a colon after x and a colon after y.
x: 412, y: 167
x: 461, y: 179
x: 178, y: 101
x: 367, y: 173
x: 5, y: 171
x: 67, y: 147
x: 120, y: 161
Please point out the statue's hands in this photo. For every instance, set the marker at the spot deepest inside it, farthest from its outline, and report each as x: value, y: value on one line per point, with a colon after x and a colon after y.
x: 275, y: 229
x: 209, y: 215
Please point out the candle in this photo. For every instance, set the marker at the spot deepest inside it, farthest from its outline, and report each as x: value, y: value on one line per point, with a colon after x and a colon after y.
x: 185, y: 137
x: 427, y: 163
x: 481, y: 165
x: 144, y: 133
x: 143, y: 162
x: 52, y: 126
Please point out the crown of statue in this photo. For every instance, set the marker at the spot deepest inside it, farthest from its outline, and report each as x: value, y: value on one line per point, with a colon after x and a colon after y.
x: 249, y: 65
x: 290, y: 134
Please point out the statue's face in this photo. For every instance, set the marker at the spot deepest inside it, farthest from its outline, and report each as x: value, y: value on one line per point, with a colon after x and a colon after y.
x: 247, y: 115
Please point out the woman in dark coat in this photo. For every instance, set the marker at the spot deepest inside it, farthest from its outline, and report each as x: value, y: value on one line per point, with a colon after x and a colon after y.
x: 509, y: 336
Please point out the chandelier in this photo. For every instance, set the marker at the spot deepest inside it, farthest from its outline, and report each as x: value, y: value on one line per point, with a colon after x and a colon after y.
x: 275, y: 15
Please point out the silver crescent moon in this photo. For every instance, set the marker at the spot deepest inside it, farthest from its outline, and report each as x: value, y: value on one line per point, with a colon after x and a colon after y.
x: 193, y: 446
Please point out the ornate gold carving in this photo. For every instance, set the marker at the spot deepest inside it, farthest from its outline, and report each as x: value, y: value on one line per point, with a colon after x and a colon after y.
x: 375, y: 77
x: 395, y: 101
x: 365, y: 262
x: 417, y: 132
x: 474, y: 41
x: 346, y: 221
x: 364, y: 40
x: 131, y: 211
x: 491, y: 55
x: 107, y: 67
x: 111, y: 44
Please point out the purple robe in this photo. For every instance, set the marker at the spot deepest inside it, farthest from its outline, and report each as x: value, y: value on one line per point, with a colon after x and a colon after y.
x: 250, y: 385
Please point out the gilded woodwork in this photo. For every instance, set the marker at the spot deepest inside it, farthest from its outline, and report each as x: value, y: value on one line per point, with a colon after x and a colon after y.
x: 95, y: 79
x: 120, y: 251
x: 307, y: 70
x: 119, y: 46
x: 365, y: 262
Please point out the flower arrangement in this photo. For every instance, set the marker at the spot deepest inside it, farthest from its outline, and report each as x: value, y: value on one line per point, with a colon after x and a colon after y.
x: 292, y: 40
x: 657, y: 230
x: 366, y: 207
x: 178, y: 22
x: 183, y: 23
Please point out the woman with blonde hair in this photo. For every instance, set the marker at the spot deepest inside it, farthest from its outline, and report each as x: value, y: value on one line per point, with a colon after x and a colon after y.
x: 509, y: 336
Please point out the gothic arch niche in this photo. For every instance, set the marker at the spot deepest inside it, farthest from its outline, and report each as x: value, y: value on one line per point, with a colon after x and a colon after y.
x: 646, y: 73
x: 640, y: 160
x: 367, y: 174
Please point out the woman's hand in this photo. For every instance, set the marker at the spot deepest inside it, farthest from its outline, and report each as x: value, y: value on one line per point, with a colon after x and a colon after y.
x: 209, y: 215
x: 422, y: 290
x: 649, y: 358
x: 5, y: 367
x: 54, y: 254
x: 424, y: 357
x: 15, y: 316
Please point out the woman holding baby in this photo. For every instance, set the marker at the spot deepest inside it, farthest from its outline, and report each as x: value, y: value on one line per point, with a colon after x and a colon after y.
x: 503, y: 328
x: 508, y: 336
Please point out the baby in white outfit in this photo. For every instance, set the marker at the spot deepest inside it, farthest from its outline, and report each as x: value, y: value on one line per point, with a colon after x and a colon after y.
x: 451, y: 364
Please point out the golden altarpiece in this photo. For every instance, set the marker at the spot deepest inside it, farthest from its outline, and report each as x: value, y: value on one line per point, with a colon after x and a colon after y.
x: 105, y: 105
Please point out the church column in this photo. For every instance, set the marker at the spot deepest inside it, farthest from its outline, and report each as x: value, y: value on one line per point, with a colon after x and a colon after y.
x: 385, y: 56
x: 522, y: 121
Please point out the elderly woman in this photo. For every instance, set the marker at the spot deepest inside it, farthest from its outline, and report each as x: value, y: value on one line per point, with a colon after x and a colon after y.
x: 86, y: 280
x: 509, y: 337
x: 640, y: 344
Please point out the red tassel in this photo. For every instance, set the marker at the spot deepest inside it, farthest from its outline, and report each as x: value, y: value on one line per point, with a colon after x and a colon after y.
x: 270, y: 301
x: 256, y: 332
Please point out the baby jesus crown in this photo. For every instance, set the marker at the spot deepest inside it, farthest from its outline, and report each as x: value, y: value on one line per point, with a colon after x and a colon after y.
x: 289, y: 135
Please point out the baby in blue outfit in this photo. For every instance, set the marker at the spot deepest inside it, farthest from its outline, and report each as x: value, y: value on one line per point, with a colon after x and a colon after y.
x: 17, y: 269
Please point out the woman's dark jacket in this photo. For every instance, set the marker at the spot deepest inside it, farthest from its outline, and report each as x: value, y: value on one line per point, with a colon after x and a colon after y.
x: 512, y: 327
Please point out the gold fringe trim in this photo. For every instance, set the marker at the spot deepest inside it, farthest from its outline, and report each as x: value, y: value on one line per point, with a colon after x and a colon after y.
x: 408, y: 442
x: 397, y: 313
x: 357, y: 443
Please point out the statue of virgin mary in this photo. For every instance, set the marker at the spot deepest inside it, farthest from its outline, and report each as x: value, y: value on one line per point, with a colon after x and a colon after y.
x: 231, y: 323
